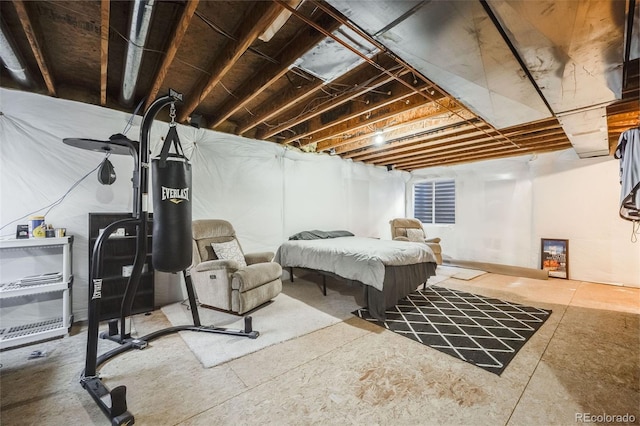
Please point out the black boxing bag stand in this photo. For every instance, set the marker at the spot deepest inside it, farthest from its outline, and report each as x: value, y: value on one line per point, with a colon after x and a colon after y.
x: 113, y: 403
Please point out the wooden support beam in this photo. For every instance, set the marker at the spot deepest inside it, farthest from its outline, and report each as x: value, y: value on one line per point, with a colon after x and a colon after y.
x: 621, y: 116
x: 425, y: 146
x: 271, y: 72
x: 370, y: 119
x: 411, y: 144
x: 176, y: 39
x: 388, y: 97
x: 471, y: 147
x: 401, y: 150
x: 485, y: 156
x: 402, y: 127
x: 282, y: 102
x: 259, y: 18
x: 469, y: 135
x: 362, y: 79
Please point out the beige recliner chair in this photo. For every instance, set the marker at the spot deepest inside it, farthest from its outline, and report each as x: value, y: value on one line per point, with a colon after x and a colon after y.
x: 223, y: 276
x: 405, y: 229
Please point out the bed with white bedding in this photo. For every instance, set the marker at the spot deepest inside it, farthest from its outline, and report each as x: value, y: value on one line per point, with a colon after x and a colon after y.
x: 389, y: 270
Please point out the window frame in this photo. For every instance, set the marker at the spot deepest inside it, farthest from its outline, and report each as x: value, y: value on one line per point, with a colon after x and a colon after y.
x: 436, y: 204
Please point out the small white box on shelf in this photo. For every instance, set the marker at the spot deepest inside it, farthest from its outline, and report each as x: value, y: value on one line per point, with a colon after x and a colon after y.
x: 128, y: 269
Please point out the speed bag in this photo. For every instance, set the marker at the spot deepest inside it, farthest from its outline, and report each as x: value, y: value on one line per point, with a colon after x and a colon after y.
x: 171, y: 189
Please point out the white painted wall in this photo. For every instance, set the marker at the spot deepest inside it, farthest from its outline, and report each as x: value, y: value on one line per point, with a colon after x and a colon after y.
x: 504, y: 207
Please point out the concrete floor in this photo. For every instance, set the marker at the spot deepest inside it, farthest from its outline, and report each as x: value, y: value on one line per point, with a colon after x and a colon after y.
x: 583, y: 362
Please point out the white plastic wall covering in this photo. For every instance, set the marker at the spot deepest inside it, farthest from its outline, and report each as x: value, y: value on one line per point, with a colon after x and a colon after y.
x: 455, y: 45
x: 505, y: 206
x: 268, y: 192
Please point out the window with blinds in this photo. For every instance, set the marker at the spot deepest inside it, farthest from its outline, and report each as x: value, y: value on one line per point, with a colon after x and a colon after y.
x: 435, y: 201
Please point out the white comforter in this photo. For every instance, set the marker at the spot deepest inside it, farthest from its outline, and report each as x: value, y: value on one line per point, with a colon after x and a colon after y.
x: 354, y: 258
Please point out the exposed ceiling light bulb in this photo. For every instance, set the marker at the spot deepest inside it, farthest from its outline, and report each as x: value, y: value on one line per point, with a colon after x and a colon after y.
x: 379, y: 137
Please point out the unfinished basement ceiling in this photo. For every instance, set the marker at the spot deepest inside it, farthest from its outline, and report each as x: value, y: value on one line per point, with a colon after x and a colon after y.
x: 457, y: 46
x: 440, y: 82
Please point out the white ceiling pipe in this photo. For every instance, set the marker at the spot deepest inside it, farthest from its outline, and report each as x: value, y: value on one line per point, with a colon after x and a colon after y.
x: 141, y: 11
x: 11, y: 58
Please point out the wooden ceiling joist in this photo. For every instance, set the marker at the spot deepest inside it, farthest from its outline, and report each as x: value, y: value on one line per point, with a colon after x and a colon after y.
x: 481, y: 144
x: 478, y: 154
x: 434, y: 148
x: 621, y: 116
x: 265, y: 96
x: 396, y: 152
x: 367, y: 106
x: 457, y: 131
x: 282, y: 102
x: 360, y: 80
x: 290, y: 109
x: 370, y: 118
x: 485, y: 156
x: 271, y: 72
x: 551, y: 138
x: 257, y: 21
x: 403, y: 127
x: 472, y: 147
x: 176, y: 38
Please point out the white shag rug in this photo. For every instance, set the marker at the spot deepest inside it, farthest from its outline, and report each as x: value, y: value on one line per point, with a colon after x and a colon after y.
x: 300, y: 309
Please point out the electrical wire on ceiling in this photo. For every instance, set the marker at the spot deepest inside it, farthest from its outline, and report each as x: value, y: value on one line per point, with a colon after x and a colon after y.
x: 339, y: 89
x: 127, y: 40
x: 227, y: 90
x: 224, y: 33
x: 313, y: 104
x: 332, y: 96
x: 351, y: 26
x: 299, y: 73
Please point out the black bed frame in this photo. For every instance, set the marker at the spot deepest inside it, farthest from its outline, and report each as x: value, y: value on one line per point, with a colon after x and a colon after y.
x: 377, y: 301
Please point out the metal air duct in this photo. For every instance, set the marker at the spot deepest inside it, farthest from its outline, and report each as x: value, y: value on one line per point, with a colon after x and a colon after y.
x: 141, y: 12
x: 456, y: 45
x: 11, y: 58
x: 574, y: 51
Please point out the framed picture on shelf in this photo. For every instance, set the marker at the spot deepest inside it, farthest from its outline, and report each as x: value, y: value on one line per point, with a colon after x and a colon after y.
x: 554, y: 257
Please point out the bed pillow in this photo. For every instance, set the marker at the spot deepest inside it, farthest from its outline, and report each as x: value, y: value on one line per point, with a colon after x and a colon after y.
x: 318, y: 235
x: 416, y: 235
x: 229, y: 251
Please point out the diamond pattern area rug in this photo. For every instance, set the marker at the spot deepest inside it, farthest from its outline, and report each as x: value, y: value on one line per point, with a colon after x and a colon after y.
x: 480, y: 330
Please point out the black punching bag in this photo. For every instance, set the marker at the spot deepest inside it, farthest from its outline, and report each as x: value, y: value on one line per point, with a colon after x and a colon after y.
x: 171, y: 189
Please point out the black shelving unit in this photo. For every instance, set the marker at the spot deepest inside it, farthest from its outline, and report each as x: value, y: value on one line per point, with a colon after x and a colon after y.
x: 120, y: 252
